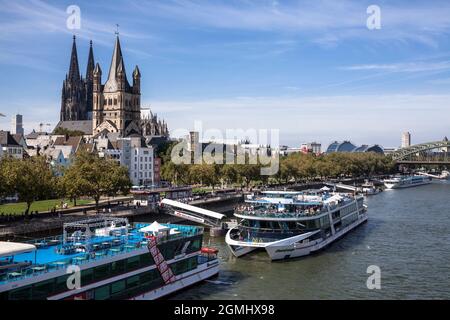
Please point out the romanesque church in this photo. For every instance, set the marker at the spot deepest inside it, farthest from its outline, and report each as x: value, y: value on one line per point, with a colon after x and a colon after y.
x: 95, y: 108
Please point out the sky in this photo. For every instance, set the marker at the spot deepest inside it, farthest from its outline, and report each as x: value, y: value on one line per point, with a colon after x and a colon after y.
x: 311, y: 69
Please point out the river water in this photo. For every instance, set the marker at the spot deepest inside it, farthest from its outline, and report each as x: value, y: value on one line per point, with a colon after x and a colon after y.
x: 407, y: 236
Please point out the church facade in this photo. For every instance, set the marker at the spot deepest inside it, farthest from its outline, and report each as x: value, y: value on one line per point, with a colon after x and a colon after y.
x: 76, y: 95
x: 114, y: 106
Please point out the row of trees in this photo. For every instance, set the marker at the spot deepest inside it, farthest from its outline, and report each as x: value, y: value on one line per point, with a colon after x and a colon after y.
x: 88, y: 176
x: 297, y: 167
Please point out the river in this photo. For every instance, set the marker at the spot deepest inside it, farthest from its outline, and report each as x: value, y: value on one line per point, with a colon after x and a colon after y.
x: 407, y: 236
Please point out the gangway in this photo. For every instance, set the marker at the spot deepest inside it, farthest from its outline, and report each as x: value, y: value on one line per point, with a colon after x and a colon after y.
x: 443, y: 176
x: 192, y: 213
x: 343, y: 186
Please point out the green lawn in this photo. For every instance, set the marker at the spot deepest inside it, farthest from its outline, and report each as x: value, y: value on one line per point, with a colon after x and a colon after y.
x: 44, y: 205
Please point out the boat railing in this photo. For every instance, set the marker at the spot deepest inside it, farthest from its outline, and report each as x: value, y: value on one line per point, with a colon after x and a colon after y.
x: 134, y: 242
x: 279, y: 214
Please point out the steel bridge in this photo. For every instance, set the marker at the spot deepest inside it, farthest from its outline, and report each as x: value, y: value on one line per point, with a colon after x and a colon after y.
x: 423, y: 153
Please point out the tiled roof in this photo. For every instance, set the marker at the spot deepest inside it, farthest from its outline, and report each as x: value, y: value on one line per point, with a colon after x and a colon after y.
x: 7, y: 139
x: 84, y: 126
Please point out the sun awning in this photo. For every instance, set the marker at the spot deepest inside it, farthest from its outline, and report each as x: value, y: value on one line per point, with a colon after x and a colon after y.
x: 13, y: 248
x: 154, y: 227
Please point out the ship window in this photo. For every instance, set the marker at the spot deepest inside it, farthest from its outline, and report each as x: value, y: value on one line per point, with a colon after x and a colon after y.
x: 193, y: 262
x: 87, y: 276
x: 133, y: 263
x: 195, y: 245
x: 146, y: 260
x: 117, y: 286
x: 20, y: 294
x: 101, y: 272
x: 61, y: 283
x: 132, y: 282
x: 146, y: 277
x: 42, y: 290
x: 102, y: 293
x: 118, y: 267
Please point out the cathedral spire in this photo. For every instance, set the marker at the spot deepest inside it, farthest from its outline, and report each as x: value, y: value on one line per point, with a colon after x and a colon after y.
x: 90, y: 64
x: 74, y: 71
x: 117, y: 60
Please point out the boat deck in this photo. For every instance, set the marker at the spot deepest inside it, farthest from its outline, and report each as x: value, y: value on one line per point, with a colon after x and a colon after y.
x: 47, y: 256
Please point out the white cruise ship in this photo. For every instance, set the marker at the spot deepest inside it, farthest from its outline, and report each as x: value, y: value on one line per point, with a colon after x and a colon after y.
x: 406, y: 181
x: 293, y: 224
x: 114, y: 260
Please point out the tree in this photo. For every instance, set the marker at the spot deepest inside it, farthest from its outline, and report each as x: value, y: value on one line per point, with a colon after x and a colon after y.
x: 3, y: 187
x: 205, y: 174
x: 92, y: 176
x: 175, y: 173
x: 70, y: 185
x: 68, y: 133
x: 31, y: 179
x: 229, y: 173
x: 248, y: 173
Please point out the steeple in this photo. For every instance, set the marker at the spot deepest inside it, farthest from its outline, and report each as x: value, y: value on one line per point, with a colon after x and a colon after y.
x: 97, y: 76
x: 136, y: 81
x: 90, y: 64
x: 111, y: 84
x: 74, y: 71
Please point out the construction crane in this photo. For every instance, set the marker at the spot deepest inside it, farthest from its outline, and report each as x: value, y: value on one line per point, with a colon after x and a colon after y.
x: 41, y: 125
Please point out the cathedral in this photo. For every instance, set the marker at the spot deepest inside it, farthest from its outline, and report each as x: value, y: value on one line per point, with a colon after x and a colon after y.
x: 151, y: 126
x: 116, y: 104
x: 76, y: 97
x: 96, y: 108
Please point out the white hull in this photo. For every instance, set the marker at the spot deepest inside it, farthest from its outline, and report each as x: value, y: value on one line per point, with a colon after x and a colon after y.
x: 290, y: 247
x: 203, y: 272
x: 295, y: 250
x: 401, y: 186
x: 239, y: 251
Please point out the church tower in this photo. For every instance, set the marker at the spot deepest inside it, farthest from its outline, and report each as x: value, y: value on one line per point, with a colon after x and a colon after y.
x: 76, y: 95
x: 89, y: 82
x: 117, y: 105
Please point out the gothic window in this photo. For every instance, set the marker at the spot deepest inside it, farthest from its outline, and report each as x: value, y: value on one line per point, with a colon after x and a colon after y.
x: 115, y: 101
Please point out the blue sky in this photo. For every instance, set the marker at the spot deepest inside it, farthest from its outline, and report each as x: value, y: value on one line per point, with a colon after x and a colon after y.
x: 311, y: 69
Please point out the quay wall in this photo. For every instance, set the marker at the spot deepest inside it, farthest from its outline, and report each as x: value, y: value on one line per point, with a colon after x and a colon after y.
x: 46, y: 225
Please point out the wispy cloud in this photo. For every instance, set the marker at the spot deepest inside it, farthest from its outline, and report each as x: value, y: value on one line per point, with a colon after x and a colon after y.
x: 402, y: 67
x: 326, y: 22
x: 36, y: 17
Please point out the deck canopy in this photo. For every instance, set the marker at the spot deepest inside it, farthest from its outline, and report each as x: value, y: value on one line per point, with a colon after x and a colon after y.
x: 8, y: 249
x: 154, y: 227
x: 335, y: 198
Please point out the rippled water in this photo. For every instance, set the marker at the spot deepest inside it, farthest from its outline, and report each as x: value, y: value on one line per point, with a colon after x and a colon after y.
x: 407, y: 236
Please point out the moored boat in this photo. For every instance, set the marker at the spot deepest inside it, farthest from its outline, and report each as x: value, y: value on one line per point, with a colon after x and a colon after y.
x: 399, y: 182
x: 106, y: 258
x: 294, y: 224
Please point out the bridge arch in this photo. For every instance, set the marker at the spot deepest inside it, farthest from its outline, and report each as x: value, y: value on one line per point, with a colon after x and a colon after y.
x: 403, y: 153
